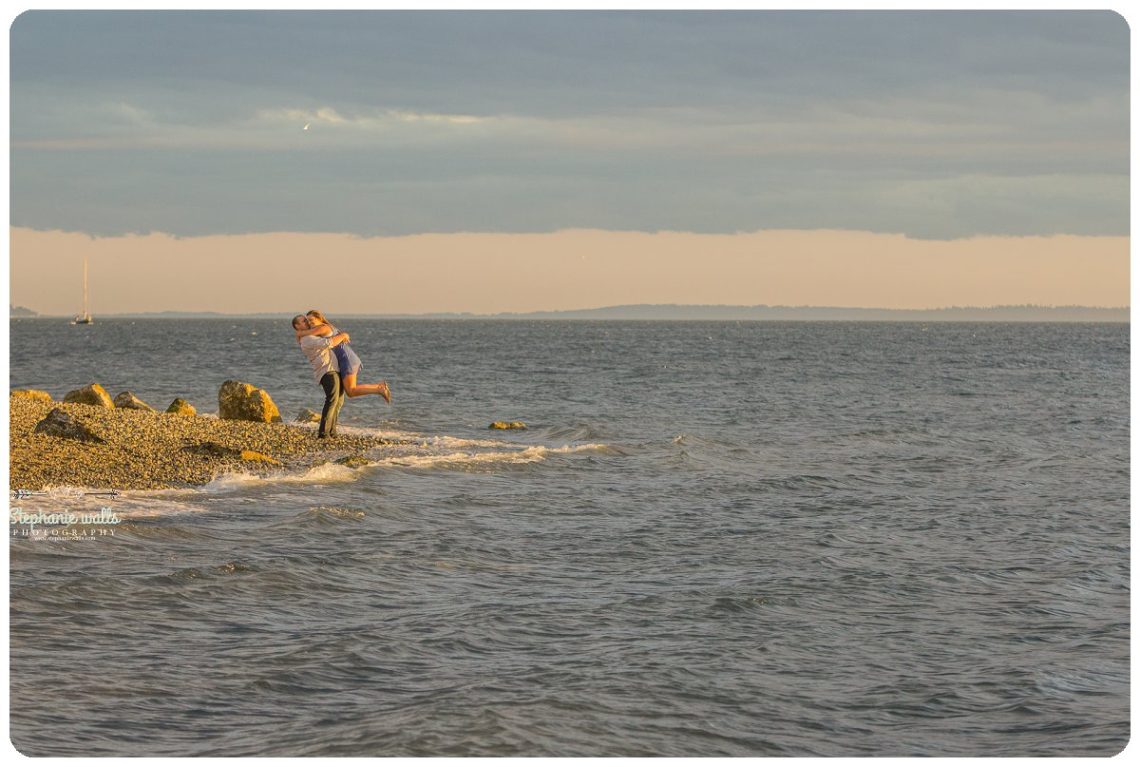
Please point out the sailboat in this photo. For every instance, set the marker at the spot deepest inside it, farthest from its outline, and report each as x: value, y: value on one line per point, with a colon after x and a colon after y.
x: 85, y: 318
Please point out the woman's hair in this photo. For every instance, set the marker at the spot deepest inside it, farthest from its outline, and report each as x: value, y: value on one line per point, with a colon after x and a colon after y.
x: 316, y: 315
x: 297, y: 319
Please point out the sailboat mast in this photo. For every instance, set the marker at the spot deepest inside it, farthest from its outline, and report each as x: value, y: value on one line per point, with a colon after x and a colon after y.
x: 85, y: 312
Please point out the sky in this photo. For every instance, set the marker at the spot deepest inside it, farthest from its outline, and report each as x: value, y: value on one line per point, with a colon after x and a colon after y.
x: 566, y: 160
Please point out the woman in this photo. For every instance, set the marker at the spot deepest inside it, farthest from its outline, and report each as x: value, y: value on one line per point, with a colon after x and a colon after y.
x: 347, y: 361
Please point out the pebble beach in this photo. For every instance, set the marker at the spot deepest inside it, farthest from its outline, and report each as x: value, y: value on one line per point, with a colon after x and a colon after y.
x: 152, y: 450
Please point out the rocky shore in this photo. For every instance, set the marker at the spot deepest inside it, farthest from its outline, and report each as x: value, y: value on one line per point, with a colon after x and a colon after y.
x: 129, y: 447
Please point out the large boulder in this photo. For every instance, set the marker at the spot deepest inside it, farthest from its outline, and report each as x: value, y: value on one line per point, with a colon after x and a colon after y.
x: 92, y: 394
x: 57, y: 423
x: 35, y: 394
x: 128, y: 401
x: 181, y: 407
x: 238, y: 401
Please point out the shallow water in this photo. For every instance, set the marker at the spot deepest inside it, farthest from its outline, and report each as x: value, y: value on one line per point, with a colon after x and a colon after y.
x: 763, y: 539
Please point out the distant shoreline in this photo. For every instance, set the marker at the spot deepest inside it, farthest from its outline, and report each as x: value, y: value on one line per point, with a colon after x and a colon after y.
x: 710, y: 313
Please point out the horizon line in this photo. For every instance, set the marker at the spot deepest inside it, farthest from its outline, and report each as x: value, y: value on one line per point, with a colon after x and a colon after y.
x: 981, y: 235
x: 612, y: 308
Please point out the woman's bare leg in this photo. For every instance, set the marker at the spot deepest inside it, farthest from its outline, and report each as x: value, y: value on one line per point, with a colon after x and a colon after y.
x: 353, y: 389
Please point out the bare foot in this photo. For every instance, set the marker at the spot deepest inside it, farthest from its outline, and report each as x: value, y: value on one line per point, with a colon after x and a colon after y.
x: 385, y: 392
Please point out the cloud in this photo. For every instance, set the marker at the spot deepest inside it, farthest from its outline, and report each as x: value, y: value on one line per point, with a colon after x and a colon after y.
x: 420, y: 122
x: 122, y: 125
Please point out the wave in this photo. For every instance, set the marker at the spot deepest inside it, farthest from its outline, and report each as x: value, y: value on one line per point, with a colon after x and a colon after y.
x: 78, y: 498
x: 142, y: 503
x: 573, y: 433
x: 461, y: 459
x: 321, y: 474
x: 126, y: 505
x: 422, y: 440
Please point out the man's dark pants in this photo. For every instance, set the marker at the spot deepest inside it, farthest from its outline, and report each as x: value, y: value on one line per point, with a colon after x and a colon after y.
x: 334, y: 398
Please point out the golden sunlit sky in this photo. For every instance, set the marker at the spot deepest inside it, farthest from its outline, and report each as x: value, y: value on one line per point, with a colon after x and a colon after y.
x: 414, y: 162
x: 491, y: 273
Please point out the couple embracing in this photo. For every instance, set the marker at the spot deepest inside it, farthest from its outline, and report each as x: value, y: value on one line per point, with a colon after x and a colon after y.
x: 335, y: 366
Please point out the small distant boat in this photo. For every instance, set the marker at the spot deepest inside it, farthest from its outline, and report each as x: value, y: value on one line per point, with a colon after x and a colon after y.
x: 85, y: 318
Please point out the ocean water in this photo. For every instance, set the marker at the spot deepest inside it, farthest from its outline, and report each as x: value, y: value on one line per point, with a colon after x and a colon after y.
x: 715, y: 539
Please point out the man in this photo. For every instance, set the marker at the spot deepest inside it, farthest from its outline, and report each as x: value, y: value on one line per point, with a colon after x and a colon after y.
x: 318, y: 349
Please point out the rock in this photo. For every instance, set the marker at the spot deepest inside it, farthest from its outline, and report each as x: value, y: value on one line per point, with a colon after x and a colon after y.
x: 353, y: 461
x: 92, y: 394
x: 218, y: 450
x: 35, y: 394
x: 307, y: 416
x: 239, y: 401
x: 181, y: 407
x: 60, y: 424
x: 128, y: 401
x: 255, y: 457
x: 507, y: 425
x: 213, y: 449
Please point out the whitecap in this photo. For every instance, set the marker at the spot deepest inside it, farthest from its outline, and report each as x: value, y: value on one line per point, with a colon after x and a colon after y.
x: 458, y: 459
x: 320, y: 474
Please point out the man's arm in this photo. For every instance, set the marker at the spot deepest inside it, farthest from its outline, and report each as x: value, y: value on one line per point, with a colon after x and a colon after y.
x: 313, y: 342
x: 318, y: 330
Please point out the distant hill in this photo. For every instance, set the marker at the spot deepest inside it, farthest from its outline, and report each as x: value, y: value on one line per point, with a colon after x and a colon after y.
x: 20, y: 311
x: 841, y: 314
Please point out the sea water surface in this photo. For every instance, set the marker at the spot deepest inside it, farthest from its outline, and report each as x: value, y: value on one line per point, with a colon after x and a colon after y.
x: 735, y: 539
